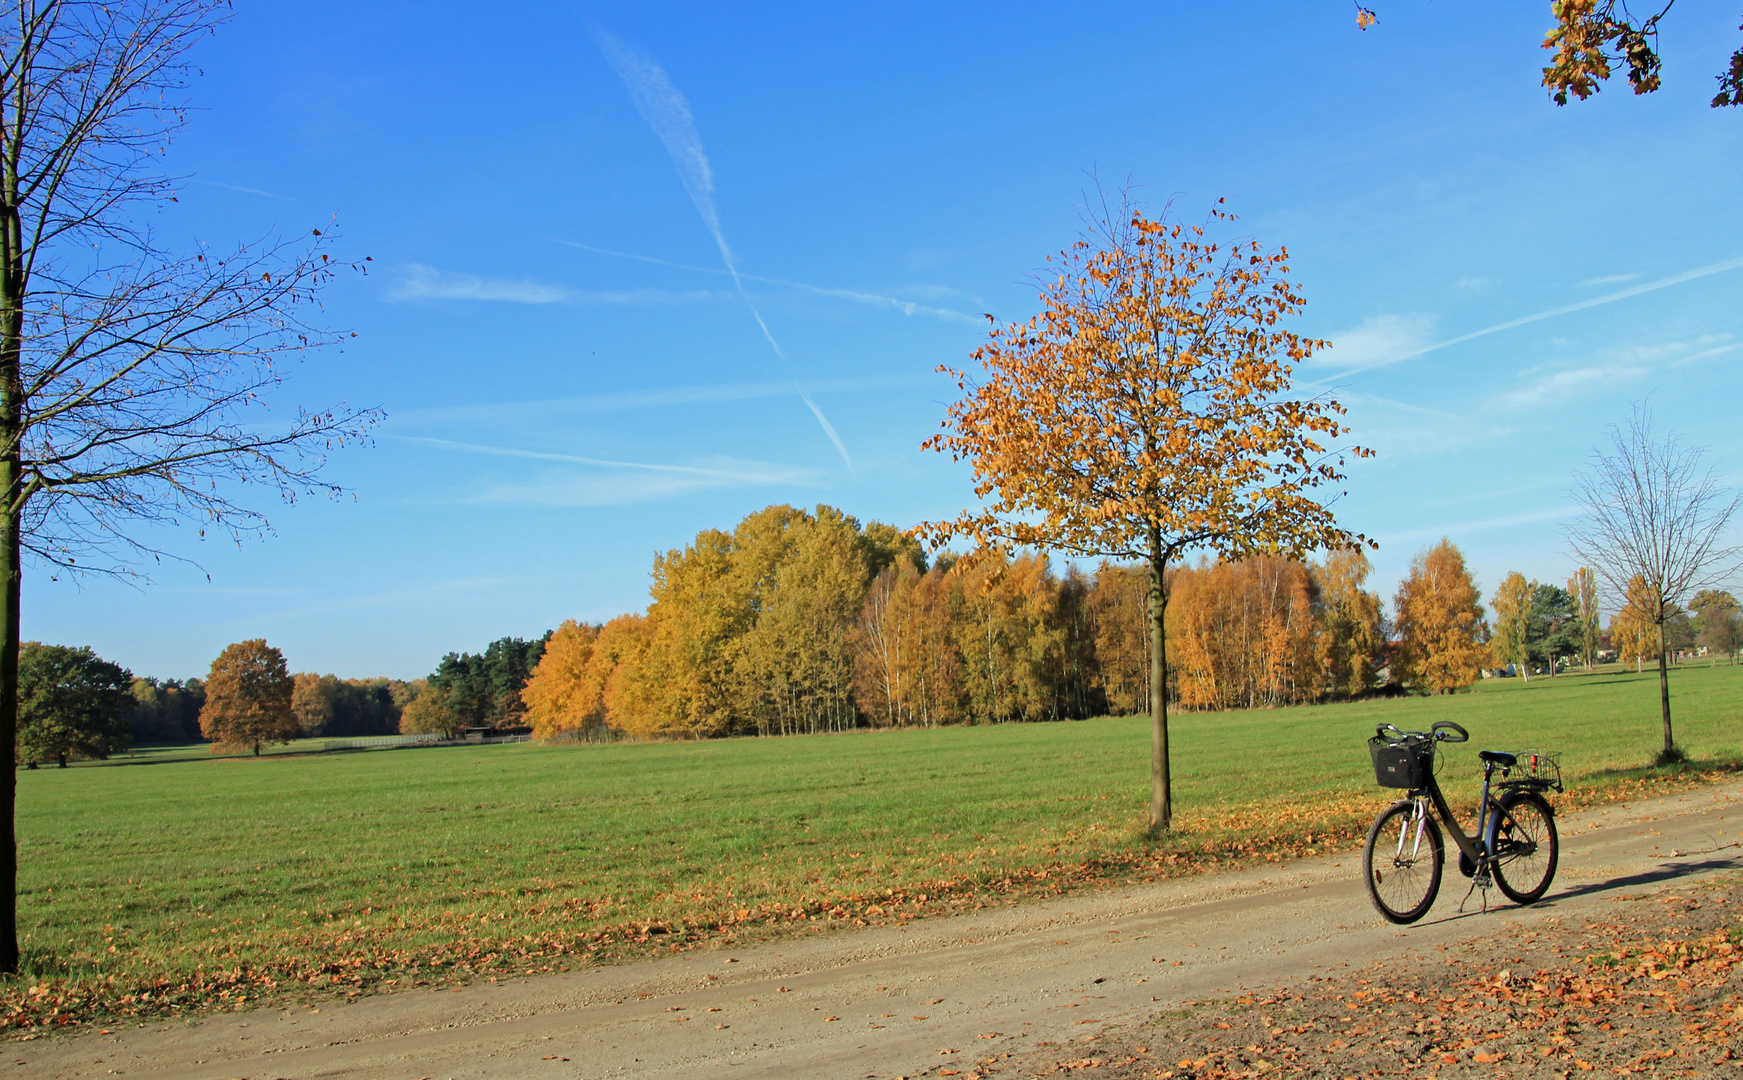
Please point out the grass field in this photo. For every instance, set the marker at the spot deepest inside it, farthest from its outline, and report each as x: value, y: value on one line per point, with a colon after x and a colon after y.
x: 173, y: 879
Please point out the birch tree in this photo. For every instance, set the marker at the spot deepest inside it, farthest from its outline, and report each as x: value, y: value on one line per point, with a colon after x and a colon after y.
x: 131, y: 377
x: 1512, y: 640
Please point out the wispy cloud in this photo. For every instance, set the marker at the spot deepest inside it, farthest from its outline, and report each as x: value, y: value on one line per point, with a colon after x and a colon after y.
x: 244, y: 190
x: 666, y: 111
x: 906, y: 307
x: 1607, y: 279
x: 1379, y: 340
x: 1541, y: 387
x: 1465, y: 528
x: 419, y: 282
x: 1401, y: 432
x: 1608, y: 298
x: 731, y: 472
x: 1560, y: 385
x: 544, y: 408
x: 577, y: 480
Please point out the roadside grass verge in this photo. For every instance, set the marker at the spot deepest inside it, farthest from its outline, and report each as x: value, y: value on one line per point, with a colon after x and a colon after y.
x: 173, y: 882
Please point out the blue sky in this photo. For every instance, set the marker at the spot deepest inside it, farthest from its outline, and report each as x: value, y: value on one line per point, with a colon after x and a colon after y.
x: 573, y: 381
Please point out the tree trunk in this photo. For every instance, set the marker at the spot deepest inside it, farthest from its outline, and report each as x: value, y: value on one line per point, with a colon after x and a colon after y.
x: 12, y: 286
x: 10, y: 574
x: 1664, y: 695
x: 1161, y: 795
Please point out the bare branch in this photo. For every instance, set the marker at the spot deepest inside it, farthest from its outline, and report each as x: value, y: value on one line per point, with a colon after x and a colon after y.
x: 1652, y: 511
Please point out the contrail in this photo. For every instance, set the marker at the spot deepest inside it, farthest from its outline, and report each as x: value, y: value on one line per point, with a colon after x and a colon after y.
x: 906, y: 307
x: 1607, y: 298
x: 666, y: 111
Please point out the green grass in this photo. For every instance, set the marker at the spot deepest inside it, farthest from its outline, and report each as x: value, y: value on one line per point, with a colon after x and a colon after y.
x: 215, y: 878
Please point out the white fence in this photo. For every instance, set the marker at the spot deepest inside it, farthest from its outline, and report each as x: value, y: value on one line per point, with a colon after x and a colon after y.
x: 370, y: 741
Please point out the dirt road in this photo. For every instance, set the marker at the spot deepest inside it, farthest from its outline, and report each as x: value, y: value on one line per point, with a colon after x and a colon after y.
x: 903, y: 1000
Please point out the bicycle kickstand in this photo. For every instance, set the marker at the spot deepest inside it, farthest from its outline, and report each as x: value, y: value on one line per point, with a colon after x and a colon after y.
x: 1479, y: 880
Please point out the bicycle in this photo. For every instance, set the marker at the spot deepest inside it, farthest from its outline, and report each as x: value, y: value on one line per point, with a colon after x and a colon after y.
x: 1515, y: 845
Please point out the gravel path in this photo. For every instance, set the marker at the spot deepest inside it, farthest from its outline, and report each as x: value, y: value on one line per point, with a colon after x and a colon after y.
x: 937, y: 996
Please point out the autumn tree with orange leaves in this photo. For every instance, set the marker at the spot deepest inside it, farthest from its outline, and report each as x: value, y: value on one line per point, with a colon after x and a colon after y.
x: 1441, y: 631
x: 1591, y: 39
x: 1143, y: 414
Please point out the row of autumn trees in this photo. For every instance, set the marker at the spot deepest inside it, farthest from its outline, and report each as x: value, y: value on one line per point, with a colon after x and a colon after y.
x: 72, y: 703
x: 75, y: 704
x: 803, y: 621
x: 1538, y: 625
x: 800, y: 621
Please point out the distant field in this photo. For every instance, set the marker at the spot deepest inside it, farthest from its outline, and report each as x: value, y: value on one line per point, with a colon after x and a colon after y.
x: 199, y: 880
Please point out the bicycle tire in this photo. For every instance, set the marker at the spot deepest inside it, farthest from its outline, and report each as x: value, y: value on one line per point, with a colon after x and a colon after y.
x: 1402, y: 889
x: 1526, y: 847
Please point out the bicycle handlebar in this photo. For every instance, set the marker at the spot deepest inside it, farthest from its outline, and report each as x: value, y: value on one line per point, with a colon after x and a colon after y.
x: 1459, y: 734
x: 1442, y: 731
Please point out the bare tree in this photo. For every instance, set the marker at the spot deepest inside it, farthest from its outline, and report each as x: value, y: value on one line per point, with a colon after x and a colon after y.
x: 1656, y: 515
x: 133, y: 380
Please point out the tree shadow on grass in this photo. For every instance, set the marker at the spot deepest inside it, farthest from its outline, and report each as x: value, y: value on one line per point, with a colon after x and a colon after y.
x: 1691, y: 767
x: 1664, y: 872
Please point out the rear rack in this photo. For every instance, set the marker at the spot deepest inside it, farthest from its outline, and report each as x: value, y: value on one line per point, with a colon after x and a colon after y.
x: 1538, y: 770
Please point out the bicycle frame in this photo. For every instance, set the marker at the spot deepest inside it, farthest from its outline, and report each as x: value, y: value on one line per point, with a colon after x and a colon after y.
x: 1487, y: 819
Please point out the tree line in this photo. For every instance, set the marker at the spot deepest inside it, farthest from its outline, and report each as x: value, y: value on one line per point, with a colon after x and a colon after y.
x: 805, y: 621
x: 75, y: 704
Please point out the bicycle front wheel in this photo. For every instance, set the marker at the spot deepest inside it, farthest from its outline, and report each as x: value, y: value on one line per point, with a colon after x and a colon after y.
x: 1526, y: 848
x: 1402, y: 862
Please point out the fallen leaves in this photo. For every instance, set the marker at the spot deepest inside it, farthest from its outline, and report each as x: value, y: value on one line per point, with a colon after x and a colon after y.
x: 1649, y: 988
x: 493, y: 938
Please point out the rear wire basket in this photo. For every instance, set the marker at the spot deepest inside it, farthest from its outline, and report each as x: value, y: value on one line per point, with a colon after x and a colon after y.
x: 1537, y: 768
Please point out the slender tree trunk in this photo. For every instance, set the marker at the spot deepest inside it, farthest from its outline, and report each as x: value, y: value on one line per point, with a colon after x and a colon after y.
x: 9, y: 597
x: 11, y: 554
x: 1161, y: 794
x: 1664, y: 695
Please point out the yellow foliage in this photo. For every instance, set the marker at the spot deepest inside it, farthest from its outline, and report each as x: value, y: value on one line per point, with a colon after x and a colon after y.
x: 1633, y: 632
x: 1350, y: 634
x: 1440, y: 623
x: 1242, y: 634
x: 566, y: 691
x: 430, y: 714
x: 1141, y: 414
x: 1512, y: 603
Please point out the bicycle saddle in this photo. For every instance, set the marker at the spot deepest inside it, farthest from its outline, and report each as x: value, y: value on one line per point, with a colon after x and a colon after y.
x: 1499, y: 757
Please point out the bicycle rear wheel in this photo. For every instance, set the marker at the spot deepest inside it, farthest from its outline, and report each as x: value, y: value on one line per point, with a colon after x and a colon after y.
x: 1526, y: 847
x: 1402, y: 862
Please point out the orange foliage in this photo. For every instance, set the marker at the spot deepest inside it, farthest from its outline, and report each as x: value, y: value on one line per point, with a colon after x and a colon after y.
x: 1122, y: 635
x: 1440, y: 624
x: 565, y: 692
x: 248, y: 698
x: 1144, y: 413
x: 1242, y: 634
